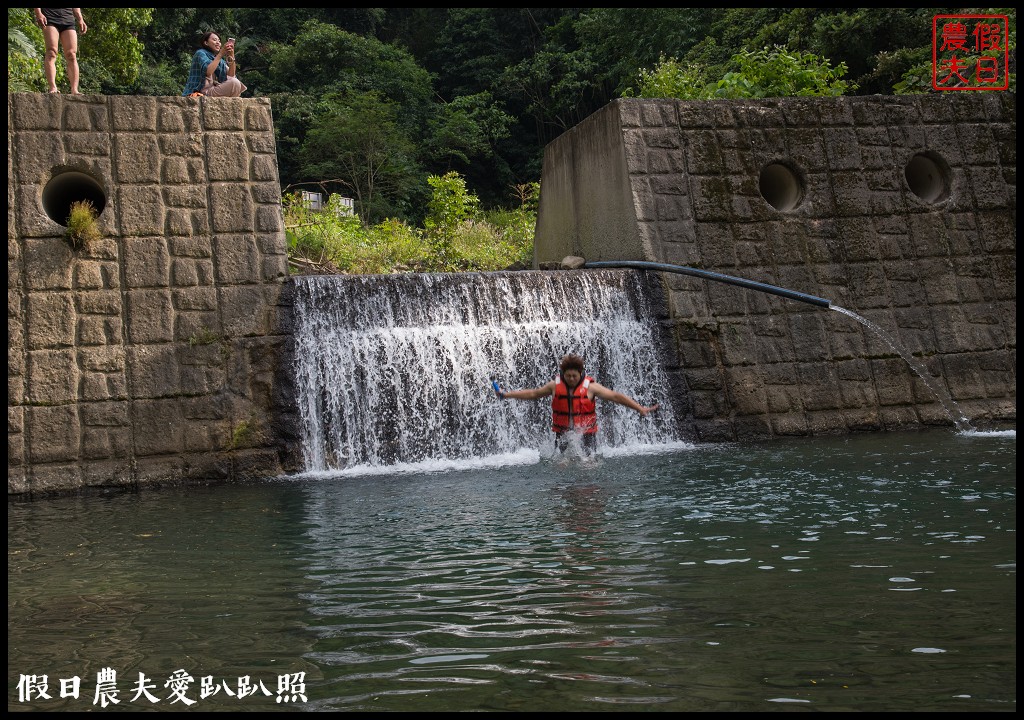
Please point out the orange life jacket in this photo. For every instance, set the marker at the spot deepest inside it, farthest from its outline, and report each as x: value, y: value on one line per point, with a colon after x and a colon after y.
x: 573, y: 409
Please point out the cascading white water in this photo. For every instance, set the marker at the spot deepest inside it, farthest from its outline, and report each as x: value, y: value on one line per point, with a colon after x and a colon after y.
x: 396, y: 370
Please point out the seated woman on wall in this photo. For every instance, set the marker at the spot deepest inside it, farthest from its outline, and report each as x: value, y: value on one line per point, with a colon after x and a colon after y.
x: 213, y: 69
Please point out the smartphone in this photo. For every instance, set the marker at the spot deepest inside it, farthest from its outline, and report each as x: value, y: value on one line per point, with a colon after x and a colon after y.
x: 231, y: 41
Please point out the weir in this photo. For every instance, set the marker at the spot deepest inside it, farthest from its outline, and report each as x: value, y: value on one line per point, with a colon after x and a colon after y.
x: 165, y: 352
x: 396, y: 370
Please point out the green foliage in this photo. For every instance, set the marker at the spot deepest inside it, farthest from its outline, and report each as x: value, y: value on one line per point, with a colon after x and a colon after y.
x: 323, y: 58
x: 329, y: 241
x: 243, y: 434
x: 450, y: 205
x: 203, y: 336
x: 498, y: 240
x: 19, y: 25
x: 624, y: 40
x: 769, y: 72
x: 24, y: 52
x: 556, y: 86
x: 110, y: 53
x: 83, y: 225
x: 293, y: 115
x: 457, y: 235
x: 160, y: 78
x: 908, y: 71
x: 355, y: 141
x: 502, y: 239
x: 462, y: 237
x: 344, y: 98
x: 528, y: 196
x: 391, y: 246
x: 671, y: 78
x: 467, y: 128
x: 356, y: 112
x: 475, y: 50
x: 779, y: 72
x: 471, y: 47
x: 859, y: 36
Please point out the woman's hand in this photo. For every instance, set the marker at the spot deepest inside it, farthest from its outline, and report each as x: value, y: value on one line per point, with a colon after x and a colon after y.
x: 645, y: 411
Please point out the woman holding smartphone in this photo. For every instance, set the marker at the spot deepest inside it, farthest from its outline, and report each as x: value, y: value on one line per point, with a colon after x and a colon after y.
x: 213, y: 71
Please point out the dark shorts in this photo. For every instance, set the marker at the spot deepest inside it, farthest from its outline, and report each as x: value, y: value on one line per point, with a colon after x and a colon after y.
x: 60, y: 18
x: 588, y: 443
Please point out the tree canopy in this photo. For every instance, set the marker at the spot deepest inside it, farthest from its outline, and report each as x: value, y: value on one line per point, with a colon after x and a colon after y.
x: 481, y: 91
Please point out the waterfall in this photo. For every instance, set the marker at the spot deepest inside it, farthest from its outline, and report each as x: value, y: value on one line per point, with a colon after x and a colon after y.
x: 396, y: 370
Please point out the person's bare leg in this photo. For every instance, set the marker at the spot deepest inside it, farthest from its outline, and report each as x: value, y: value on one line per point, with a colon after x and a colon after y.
x: 69, y: 42
x: 50, y: 36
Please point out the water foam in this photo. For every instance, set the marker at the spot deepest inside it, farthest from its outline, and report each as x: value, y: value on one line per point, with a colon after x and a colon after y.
x: 395, y: 371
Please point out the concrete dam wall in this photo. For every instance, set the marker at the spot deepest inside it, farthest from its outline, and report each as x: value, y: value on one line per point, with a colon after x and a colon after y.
x: 901, y: 209
x: 162, y: 353
x: 152, y: 355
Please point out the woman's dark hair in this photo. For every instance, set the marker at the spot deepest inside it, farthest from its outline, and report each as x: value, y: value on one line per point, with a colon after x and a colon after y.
x: 571, y: 362
x: 204, y: 38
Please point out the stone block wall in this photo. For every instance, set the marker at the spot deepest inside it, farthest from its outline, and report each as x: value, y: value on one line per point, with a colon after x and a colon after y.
x: 152, y: 355
x: 901, y: 209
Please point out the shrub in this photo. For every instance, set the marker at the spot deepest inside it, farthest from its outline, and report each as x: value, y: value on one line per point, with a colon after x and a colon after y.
x: 83, y: 226
x: 769, y: 72
x: 499, y: 240
x: 779, y: 72
x: 450, y: 205
x: 670, y: 78
x: 456, y: 236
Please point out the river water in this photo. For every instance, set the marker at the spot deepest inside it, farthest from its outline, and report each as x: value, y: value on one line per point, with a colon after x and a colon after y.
x: 872, y: 572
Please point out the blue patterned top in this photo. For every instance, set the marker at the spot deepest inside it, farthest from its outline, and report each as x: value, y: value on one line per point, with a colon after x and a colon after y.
x: 197, y: 73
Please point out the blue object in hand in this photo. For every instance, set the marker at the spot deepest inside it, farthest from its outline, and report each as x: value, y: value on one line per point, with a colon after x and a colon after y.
x: 497, y: 388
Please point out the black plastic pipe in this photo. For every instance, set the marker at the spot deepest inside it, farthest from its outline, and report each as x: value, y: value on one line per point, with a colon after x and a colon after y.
x: 708, y: 275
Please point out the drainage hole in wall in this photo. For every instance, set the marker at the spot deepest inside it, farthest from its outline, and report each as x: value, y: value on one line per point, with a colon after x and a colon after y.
x: 781, y: 187
x: 928, y: 177
x: 68, y: 187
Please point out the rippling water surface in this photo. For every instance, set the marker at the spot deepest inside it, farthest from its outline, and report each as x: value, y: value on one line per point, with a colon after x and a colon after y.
x: 867, y: 573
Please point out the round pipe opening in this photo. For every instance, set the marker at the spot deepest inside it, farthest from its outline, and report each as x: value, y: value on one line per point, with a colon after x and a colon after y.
x: 928, y: 177
x: 69, y: 187
x: 780, y: 187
